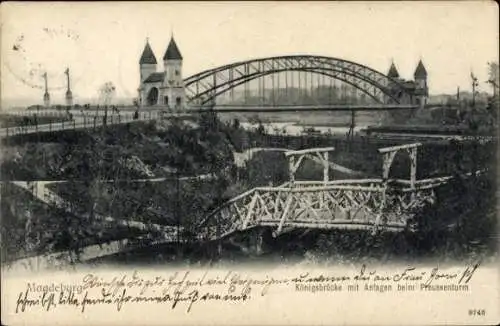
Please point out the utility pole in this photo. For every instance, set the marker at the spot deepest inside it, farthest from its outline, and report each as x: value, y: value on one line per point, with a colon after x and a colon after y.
x: 458, y: 106
x: 350, y: 133
x: 474, y: 85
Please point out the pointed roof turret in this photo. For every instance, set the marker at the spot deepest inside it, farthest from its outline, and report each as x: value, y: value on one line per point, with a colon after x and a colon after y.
x: 420, y: 72
x: 172, y: 52
x: 393, y: 72
x: 147, y: 57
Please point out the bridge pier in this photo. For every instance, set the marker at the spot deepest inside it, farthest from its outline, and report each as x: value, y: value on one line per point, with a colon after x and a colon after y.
x: 219, y: 248
x: 259, y: 241
x: 256, y: 242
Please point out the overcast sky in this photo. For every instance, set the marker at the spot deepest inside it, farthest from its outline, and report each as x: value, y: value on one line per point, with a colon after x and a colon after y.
x: 102, y: 42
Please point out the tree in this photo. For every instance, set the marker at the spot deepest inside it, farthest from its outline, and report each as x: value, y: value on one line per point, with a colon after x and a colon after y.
x: 475, y: 84
x: 236, y: 123
x: 493, y: 77
x: 106, y: 93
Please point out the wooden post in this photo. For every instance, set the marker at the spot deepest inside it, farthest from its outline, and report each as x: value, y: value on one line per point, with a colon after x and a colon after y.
x: 219, y: 241
x: 259, y: 242
x: 389, y: 154
x: 322, y: 196
x: 325, y: 168
x: 388, y: 158
x: 250, y: 211
x: 284, y: 215
x: 413, y: 168
x: 291, y: 170
x: 387, y: 163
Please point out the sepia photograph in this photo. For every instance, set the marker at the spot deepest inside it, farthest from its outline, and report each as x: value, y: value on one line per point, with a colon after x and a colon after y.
x: 249, y: 163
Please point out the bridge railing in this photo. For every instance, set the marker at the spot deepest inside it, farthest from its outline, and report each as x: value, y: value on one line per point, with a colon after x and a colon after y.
x: 402, y: 184
x: 348, y: 205
x: 359, y: 204
x: 82, y: 121
x: 314, y: 183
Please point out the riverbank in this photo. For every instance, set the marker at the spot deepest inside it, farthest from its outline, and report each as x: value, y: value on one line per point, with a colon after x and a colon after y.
x: 92, y: 161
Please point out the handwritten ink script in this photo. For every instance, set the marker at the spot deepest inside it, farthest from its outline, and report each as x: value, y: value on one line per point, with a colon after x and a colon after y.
x: 188, y: 289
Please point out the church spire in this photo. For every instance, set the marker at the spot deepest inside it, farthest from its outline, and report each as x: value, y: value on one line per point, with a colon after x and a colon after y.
x: 147, y: 57
x: 393, y: 72
x: 420, y: 72
x: 172, y: 52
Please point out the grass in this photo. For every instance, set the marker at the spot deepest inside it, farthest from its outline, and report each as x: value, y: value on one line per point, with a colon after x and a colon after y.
x: 51, y: 229
x: 468, y: 204
x: 148, y: 202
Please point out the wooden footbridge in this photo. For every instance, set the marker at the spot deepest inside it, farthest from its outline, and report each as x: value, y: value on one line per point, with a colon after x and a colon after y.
x: 365, y: 204
x: 374, y: 204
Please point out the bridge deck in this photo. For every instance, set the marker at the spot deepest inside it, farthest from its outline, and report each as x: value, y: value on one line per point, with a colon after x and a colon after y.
x: 306, y: 108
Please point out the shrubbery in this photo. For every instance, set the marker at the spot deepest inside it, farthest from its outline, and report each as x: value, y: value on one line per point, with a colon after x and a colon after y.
x: 176, y: 148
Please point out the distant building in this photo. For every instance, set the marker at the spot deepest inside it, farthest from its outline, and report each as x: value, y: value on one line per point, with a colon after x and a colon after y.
x: 415, y: 91
x: 162, y: 88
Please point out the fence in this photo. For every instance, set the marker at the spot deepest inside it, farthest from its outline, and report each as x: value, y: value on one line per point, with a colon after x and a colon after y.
x: 85, y: 121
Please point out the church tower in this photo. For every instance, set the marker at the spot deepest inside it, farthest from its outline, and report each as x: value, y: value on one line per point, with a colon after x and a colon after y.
x: 393, y: 85
x: 421, y: 89
x: 147, y: 66
x: 147, y: 63
x: 393, y: 72
x: 174, y: 95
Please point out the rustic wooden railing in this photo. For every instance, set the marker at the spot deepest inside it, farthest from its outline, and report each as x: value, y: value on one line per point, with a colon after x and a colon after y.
x: 357, y: 204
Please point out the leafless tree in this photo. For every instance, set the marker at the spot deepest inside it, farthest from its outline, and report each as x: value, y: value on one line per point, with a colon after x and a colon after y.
x: 106, y: 93
x: 493, y: 77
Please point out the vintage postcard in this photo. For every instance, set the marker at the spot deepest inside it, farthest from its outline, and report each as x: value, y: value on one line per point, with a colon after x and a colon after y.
x: 248, y: 163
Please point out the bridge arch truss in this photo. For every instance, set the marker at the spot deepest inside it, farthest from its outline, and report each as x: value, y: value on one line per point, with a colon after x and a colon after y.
x: 204, y: 87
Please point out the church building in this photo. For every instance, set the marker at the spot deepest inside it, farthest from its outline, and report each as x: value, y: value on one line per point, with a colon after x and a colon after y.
x: 162, y: 88
x: 416, y: 91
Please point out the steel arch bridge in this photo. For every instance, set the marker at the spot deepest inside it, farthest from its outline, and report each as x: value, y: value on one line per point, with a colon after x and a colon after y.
x: 204, y: 87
